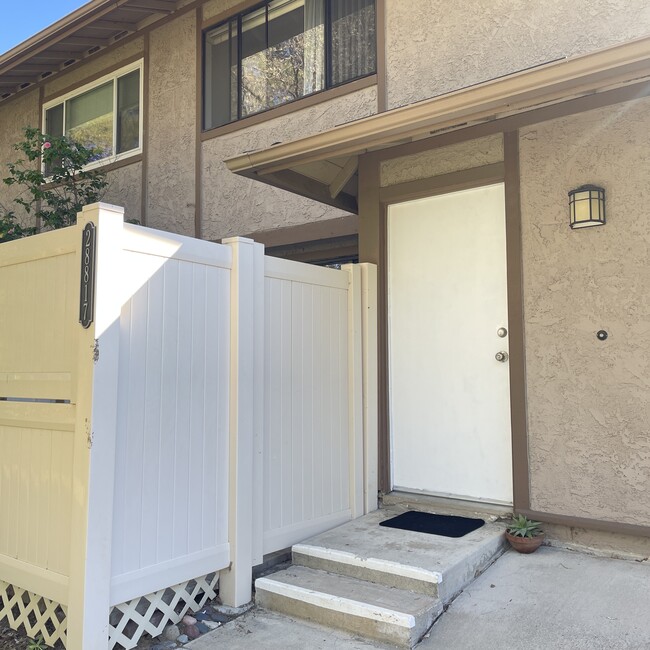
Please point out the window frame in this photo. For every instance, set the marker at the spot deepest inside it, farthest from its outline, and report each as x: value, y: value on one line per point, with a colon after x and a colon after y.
x: 96, y: 83
x: 328, y: 88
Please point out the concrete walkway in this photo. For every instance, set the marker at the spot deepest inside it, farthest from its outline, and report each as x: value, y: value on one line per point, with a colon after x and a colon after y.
x: 552, y: 599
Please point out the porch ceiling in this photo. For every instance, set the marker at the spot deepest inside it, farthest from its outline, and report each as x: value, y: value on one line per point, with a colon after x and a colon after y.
x: 324, y: 166
x: 88, y: 30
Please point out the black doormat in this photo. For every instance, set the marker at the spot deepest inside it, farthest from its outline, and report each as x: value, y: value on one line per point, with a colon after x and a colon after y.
x: 425, y: 522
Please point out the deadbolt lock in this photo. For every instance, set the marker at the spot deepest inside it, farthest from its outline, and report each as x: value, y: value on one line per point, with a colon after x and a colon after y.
x: 501, y: 356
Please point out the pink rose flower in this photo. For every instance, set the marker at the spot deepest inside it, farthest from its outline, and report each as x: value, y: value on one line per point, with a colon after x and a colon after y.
x: 47, y: 145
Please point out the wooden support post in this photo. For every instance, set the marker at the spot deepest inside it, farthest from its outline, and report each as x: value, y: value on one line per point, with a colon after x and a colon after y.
x: 93, y: 473
x: 246, y: 405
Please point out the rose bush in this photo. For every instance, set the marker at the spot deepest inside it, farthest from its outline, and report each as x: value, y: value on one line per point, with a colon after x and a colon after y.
x: 53, y: 183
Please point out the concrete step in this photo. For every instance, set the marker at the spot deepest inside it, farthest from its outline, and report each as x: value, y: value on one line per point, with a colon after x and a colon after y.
x: 429, y: 564
x: 386, y: 614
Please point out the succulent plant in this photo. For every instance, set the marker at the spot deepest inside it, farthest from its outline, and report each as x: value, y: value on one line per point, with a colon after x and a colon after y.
x: 521, y: 526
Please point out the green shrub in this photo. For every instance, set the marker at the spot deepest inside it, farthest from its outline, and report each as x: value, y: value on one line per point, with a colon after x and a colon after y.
x: 53, y: 183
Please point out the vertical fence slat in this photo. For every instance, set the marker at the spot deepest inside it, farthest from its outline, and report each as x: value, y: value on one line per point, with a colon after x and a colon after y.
x: 166, y: 477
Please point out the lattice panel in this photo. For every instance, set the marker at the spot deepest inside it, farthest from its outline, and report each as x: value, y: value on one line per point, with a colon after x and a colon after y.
x: 150, y: 614
x: 33, y: 613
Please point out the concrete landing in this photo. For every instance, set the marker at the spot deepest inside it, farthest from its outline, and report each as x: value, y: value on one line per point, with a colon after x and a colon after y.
x: 440, y: 566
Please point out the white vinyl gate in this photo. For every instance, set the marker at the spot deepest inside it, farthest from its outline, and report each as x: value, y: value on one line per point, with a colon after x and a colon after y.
x: 220, y: 405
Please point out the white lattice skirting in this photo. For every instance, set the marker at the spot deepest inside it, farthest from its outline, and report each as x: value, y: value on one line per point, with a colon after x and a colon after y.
x: 151, y: 613
x: 33, y: 614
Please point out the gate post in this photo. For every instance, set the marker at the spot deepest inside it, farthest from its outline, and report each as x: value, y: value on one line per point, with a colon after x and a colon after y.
x: 93, y: 473
x: 362, y: 333
x: 355, y: 390
x: 370, y: 384
x: 246, y: 413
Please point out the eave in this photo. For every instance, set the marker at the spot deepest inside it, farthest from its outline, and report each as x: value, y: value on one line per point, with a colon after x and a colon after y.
x: 306, y: 166
x: 90, y: 29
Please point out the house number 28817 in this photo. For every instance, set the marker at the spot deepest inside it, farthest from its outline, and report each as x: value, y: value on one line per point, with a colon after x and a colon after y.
x: 87, y: 290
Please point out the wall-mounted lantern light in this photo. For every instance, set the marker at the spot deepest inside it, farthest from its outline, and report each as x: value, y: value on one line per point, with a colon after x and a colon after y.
x: 587, y: 206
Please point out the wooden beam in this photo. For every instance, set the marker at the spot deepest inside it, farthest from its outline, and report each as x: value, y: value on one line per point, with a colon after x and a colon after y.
x: 299, y: 184
x: 84, y: 41
x: 113, y: 26
x: 159, y: 6
x: 312, y: 231
x: 347, y: 172
x: 54, y: 55
x: 32, y: 67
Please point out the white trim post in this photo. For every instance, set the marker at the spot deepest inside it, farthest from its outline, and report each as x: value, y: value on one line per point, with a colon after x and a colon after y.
x: 370, y: 385
x: 246, y: 377
x: 355, y: 388
x: 93, y: 473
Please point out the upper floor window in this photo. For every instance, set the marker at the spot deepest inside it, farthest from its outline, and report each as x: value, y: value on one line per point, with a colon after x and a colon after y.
x: 282, y: 51
x: 103, y: 115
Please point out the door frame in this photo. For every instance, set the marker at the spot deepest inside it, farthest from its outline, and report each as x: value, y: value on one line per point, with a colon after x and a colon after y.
x: 375, y: 199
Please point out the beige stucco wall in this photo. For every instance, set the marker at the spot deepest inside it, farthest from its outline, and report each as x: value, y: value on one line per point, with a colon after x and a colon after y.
x: 444, y: 160
x: 434, y: 46
x: 588, y: 401
x: 235, y: 205
x: 214, y: 9
x: 15, y: 115
x: 125, y: 189
x: 172, y: 119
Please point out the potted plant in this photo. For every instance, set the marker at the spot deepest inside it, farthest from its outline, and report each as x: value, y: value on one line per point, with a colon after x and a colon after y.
x: 524, y: 535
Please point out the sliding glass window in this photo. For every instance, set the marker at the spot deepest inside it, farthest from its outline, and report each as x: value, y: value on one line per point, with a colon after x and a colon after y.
x: 104, y: 116
x: 284, y: 50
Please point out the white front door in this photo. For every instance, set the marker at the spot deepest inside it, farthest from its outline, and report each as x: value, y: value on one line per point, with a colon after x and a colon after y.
x: 448, y: 320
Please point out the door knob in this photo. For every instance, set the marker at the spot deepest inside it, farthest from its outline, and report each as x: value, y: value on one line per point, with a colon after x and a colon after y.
x: 501, y: 356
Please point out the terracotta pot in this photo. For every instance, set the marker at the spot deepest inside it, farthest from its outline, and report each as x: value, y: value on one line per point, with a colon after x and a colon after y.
x: 525, y: 544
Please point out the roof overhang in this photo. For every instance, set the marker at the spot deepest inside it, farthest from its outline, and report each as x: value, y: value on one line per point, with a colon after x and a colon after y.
x: 324, y: 166
x: 86, y: 31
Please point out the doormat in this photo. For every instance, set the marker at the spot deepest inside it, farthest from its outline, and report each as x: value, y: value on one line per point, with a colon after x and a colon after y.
x: 425, y: 522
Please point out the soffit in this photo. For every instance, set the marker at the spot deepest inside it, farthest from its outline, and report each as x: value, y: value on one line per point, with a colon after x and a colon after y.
x: 306, y: 166
x: 86, y: 31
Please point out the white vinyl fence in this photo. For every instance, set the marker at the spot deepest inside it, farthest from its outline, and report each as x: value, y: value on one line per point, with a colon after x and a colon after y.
x: 219, y: 405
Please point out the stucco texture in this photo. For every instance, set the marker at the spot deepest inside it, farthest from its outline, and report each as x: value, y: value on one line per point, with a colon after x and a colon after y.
x: 172, y: 131
x: 233, y: 205
x: 445, y: 160
x: 15, y: 115
x: 216, y: 8
x: 125, y: 189
x: 80, y: 72
x: 476, y: 40
x: 588, y: 400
